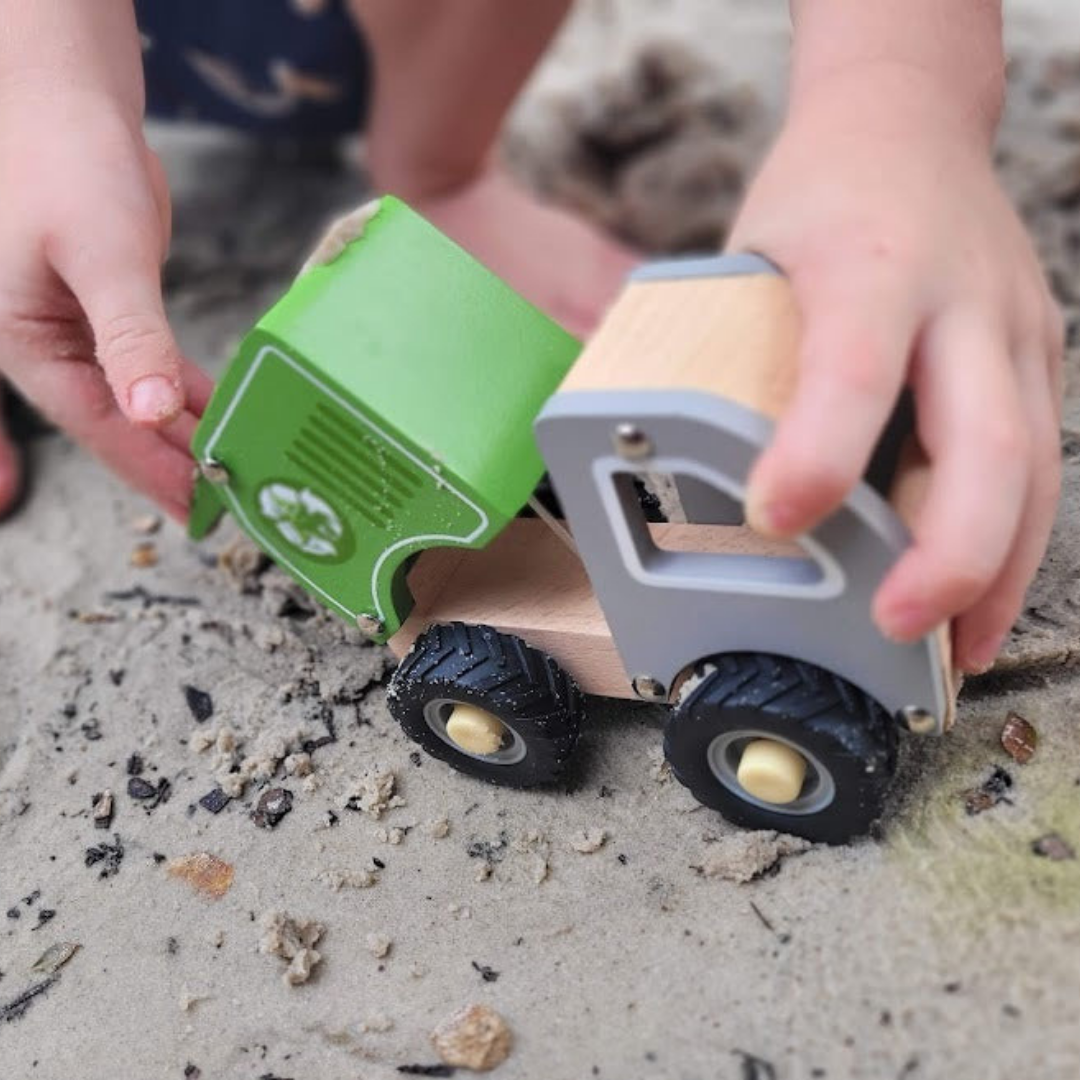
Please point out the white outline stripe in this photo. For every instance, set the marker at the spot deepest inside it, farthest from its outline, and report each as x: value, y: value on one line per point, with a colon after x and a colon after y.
x: 430, y: 539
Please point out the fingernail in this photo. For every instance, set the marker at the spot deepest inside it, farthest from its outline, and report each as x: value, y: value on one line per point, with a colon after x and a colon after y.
x: 903, y: 623
x: 983, y: 653
x: 153, y: 399
x: 771, y: 517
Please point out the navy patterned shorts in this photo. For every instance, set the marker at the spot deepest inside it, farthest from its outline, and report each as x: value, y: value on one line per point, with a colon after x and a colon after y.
x: 278, y: 67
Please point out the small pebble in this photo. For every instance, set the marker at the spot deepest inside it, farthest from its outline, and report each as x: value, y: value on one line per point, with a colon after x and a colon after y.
x: 215, y: 801
x: 102, y: 809
x: 1019, y: 738
x: 144, y: 555
x: 146, y: 524
x: 475, y: 1037
x: 200, y: 703
x: 1053, y: 847
x: 138, y: 788
x: 272, y: 807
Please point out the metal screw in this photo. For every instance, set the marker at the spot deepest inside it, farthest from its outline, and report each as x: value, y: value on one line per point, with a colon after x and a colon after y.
x: 631, y: 442
x: 918, y: 720
x: 370, y: 625
x: 213, y: 471
x: 649, y: 689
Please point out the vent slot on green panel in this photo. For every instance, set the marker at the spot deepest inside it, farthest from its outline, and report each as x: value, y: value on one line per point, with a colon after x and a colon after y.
x: 354, y: 465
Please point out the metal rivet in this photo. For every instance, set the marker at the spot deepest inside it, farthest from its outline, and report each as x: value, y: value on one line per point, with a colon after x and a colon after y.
x: 631, y: 442
x: 918, y: 720
x: 213, y: 471
x: 649, y: 689
x: 370, y: 625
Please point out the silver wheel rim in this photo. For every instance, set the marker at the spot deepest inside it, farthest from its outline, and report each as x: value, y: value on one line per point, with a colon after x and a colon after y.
x: 725, y: 752
x: 436, y: 714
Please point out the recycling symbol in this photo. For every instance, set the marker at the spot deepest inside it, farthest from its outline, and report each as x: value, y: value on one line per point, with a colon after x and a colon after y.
x: 304, y: 519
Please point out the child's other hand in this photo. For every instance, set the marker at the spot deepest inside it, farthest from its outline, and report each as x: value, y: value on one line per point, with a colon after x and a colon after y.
x: 566, y: 267
x: 910, y: 266
x: 84, y: 226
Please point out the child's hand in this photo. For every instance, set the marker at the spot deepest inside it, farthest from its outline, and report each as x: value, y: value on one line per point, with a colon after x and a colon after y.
x: 910, y: 266
x: 84, y: 220
x: 84, y: 225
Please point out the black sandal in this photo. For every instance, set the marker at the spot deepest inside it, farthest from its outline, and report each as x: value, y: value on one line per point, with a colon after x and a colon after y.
x: 24, y: 425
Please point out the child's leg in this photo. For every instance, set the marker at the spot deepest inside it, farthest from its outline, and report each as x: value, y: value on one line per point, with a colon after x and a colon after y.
x: 445, y: 77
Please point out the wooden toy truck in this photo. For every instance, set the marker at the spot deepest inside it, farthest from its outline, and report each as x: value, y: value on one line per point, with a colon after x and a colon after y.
x: 384, y: 426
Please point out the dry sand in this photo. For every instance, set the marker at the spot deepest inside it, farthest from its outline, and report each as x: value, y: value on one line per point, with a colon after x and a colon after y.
x: 947, y: 948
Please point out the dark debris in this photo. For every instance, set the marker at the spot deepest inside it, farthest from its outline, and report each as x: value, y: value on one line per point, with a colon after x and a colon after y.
x: 491, y: 851
x: 215, y: 801
x: 989, y: 793
x: 426, y: 1070
x: 16, y: 1008
x: 488, y: 974
x: 273, y: 805
x: 148, y: 599
x: 110, y: 856
x: 755, y: 1068
x: 200, y: 703
x: 45, y: 915
x: 138, y: 788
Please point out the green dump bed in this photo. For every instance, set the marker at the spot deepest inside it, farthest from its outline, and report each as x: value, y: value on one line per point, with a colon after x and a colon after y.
x: 384, y: 405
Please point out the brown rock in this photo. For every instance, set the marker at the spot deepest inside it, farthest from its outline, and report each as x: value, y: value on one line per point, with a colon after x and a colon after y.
x: 144, y: 555
x: 1019, y: 738
x: 475, y: 1037
x: 205, y: 873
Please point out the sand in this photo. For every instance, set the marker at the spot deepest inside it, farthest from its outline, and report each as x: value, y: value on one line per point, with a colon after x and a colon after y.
x: 601, y: 921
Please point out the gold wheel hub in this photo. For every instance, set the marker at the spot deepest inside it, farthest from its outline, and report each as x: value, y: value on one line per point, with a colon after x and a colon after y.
x: 772, y: 771
x: 475, y: 730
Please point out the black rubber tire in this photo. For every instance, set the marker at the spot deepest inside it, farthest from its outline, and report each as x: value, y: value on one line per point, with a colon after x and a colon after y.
x: 843, y: 727
x: 522, y: 686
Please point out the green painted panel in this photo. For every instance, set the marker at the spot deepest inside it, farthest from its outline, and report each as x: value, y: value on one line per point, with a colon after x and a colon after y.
x: 337, y: 500
x: 383, y: 406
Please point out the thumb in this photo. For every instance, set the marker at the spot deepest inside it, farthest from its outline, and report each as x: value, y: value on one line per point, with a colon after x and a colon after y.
x: 116, y: 279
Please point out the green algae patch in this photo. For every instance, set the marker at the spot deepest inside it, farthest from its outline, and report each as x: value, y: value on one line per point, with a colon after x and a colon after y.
x: 981, y: 868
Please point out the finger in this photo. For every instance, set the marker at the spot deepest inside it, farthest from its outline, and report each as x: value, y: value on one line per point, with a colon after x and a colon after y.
x: 112, y: 267
x: 980, y: 632
x: 973, y: 427
x: 179, y: 432
x: 198, y: 386
x: 159, y: 187
x: 10, y: 466
x: 75, y: 396
x: 852, y: 361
